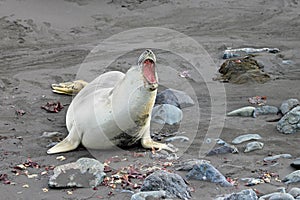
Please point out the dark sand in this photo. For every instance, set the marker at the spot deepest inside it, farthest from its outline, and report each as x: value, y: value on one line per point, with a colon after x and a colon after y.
x: 44, y: 42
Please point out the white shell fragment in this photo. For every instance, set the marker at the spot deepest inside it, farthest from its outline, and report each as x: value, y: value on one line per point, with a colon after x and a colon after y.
x: 245, y: 112
x: 243, y: 138
x: 254, y: 146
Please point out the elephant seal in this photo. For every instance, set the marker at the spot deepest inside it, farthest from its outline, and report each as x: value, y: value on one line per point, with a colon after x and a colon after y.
x: 114, y: 110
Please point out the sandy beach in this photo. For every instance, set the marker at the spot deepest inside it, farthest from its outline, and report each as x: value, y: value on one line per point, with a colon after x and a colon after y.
x: 44, y: 42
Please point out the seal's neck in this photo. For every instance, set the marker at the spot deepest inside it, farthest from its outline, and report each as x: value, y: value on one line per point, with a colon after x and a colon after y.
x: 132, y: 100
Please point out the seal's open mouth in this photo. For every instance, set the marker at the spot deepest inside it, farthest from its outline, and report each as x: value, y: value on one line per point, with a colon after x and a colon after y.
x: 149, y: 71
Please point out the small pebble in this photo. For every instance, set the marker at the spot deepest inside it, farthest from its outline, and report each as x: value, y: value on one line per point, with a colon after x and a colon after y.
x: 272, y: 158
x: 253, y: 146
x: 151, y: 194
x: 180, y: 138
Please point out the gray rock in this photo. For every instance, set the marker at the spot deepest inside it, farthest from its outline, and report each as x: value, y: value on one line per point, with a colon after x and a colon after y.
x: 171, y: 183
x: 248, y: 194
x: 166, y: 114
x: 207, y: 172
x: 145, y: 195
x: 223, y: 149
x: 290, y: 122
x: 174, y: 97
x: 247, y: 111
x: 287, y: 105
x: 246, y: 137
x: 296, y: 163
x: 85, y: 172
x: 265, y: 110
x: 187, y: 165
x: 293, y: 177
x: 282, y: 196
x: 295, y: 192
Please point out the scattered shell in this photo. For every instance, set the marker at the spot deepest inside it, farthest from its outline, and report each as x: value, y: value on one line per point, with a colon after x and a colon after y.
x: 21, y: 166
x: 60, y: 158
x: 253, y: 146
x: 259, y: 100
x: 245, y: 112
x: 253, y: 181
x: 207, y: 172
x: 288, y: 105
x: 53, y: 107
x: 220, y: 141
x: 272, y: 158
x: 45, y: 190
x: 185, y: 74
x: 32, y: 175
x: 44, y: 172
x: 243, y: 138
x: 293, y: 177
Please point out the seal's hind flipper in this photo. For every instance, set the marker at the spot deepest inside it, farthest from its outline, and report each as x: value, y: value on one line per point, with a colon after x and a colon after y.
x: 71, y: 142
x: 69, y: 88
x: 63, y: 146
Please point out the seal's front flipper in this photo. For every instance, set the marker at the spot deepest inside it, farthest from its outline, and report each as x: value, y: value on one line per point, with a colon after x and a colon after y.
x: 69, y: 88
x: 71, y: 142
x: 149, y: 143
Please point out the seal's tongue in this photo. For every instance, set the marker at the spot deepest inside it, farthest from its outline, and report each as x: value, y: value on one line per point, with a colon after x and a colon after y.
x: 149, y: 71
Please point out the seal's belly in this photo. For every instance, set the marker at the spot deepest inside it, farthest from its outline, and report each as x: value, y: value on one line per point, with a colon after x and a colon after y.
x: 100, y: 131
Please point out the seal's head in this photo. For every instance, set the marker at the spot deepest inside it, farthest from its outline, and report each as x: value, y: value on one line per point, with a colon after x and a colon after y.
x: 147, y: 62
